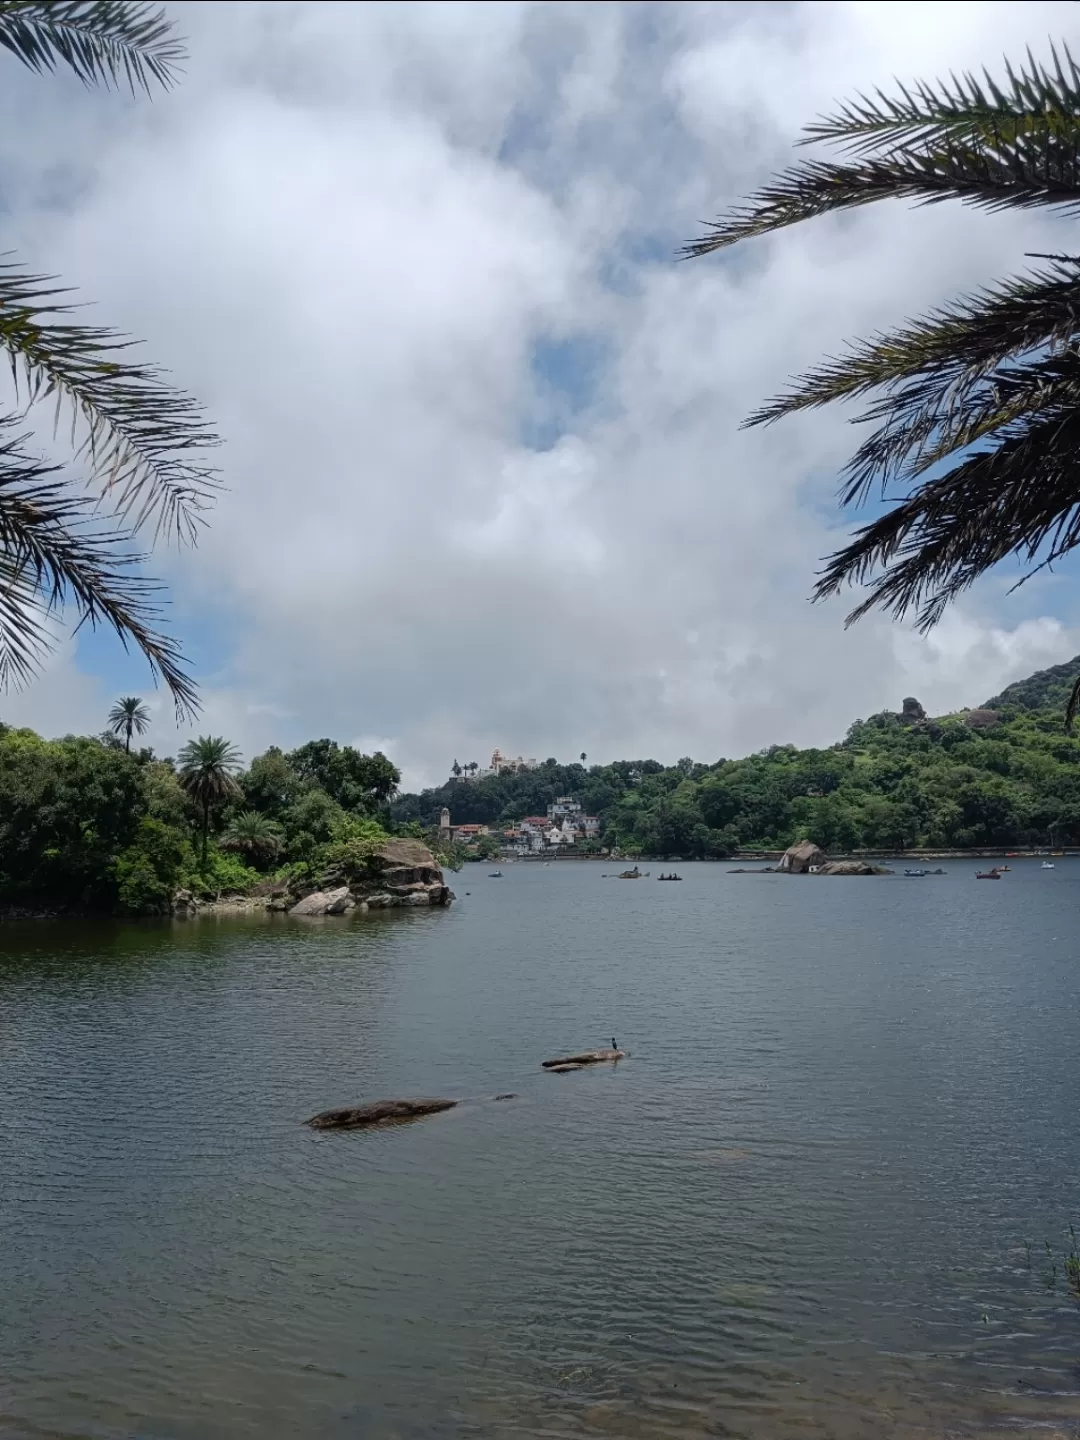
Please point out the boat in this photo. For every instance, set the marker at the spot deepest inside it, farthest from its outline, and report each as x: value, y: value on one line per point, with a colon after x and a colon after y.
x: 994, y: 874
x: 669, y: 877
x: 915, y: 874
x: 495, y: 875
x: 1048, y: 865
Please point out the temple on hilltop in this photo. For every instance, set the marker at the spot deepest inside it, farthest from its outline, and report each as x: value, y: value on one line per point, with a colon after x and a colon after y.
x: 501, y: 765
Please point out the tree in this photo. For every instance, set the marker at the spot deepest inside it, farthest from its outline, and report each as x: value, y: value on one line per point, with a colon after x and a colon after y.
x: 207, y: 767
x: 976, y: 438
x: 135, y: 437
x: 357, y: 782
x: 455, y: 769
x: 128, y: 717
x: 254, y: 837
x: 584, y: 757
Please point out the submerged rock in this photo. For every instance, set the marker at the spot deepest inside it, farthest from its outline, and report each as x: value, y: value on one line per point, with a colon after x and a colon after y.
x: 587, y: 1057
x: 853, y: 867
x: 377, y: 1112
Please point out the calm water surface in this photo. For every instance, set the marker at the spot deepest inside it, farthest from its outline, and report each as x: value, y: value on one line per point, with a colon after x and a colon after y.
x: 798, y: 1210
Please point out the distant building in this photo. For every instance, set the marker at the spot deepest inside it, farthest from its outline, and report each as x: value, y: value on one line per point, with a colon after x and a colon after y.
x: 567, y: 812
x: 500, y: 765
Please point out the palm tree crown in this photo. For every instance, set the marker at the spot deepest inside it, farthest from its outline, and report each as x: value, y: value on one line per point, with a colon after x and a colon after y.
x: 253, y: 835
x: 975, y: 416
x: 206, y: 770
x: 135, y: 437
x: 128, y: 717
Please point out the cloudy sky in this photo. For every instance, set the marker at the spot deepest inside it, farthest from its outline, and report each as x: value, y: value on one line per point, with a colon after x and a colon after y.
x: 485, y: 479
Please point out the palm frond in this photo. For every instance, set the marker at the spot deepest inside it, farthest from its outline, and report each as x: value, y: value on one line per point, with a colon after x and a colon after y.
x: 1017, y: 496
x: 110, y: 42
x: 933, y: 419
x: 139, y: 436
x: 52, y: 553
x: 966, y: 338
x: 960, y: 111
x: 1040, y: 169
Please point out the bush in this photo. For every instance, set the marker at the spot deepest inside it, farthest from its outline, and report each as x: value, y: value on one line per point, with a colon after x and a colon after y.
x: 151, y: 868
x: 223, y: 874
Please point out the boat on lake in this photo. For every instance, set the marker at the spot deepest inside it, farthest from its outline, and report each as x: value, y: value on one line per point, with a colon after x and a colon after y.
x: 669, y: 877
x: 994, y: 874
x: 1047, y: 865
x: 495, y: 875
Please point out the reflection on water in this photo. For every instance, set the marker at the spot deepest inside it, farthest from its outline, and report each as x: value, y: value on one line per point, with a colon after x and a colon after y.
x: 800, y: 1209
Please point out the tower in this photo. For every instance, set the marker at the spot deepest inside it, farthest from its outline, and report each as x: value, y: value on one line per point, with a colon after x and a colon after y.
x: 444, y: 818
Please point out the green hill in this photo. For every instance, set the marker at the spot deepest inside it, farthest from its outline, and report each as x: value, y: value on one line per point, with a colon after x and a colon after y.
x: 1005, y: 774
x: 1045, y: 690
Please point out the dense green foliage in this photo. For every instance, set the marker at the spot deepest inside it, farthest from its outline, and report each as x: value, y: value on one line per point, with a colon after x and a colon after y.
x: 960, y: 781
x: 87, y: 825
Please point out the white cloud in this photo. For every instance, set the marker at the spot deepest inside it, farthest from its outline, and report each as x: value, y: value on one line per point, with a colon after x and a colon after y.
x: 349, y: 231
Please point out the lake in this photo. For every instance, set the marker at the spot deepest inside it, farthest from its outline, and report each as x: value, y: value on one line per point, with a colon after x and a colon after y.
x: 814, y: 1202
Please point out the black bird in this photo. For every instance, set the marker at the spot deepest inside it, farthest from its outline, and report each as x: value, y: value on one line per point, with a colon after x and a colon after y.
x: 614, y: 1043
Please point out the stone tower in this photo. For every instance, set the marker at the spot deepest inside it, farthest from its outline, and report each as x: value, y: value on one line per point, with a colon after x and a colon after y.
x: 444, y: 818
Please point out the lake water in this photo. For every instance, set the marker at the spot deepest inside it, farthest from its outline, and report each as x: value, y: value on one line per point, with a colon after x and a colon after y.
x: 800, y: 1209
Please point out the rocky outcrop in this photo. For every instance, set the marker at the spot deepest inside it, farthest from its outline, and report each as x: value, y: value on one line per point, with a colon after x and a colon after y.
x: 912, y: 710
x: 798, y: 859
x: 400, y: 874
x: 325, y: 902
x: 982, y: 719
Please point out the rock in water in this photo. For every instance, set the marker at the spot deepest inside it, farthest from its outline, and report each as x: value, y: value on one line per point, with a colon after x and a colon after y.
x: 324, y: 902
x: 377, y: 1112
x: 587, y: 1057
x: 798, y: 859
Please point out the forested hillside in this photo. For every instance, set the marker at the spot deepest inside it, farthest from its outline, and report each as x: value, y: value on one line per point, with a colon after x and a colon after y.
x: 1003, y: 774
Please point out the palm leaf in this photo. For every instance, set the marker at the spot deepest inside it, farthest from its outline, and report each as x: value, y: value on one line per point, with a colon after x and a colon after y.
x: 965, y: 339
x: 52, y: 553
x: 1040, y: 169
x: 109, y: 42
x: 133, y: 430
x: 1017, y: 496
x: 961, y: 111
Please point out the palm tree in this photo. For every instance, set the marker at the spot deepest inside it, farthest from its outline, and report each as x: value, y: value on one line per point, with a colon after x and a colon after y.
x: 207, y: 766
x: 128, y: 717
x: 455, y: 769
x: 976, y: 422
x: 584, y: 757
x: 254, y: 836
x: 134, y: 437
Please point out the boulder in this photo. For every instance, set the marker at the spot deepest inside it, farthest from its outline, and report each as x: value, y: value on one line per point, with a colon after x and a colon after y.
x: 982, y: 719
x: 377, y: 1112
x: 912, y: 710
x: 184, y: 902
x: 798, y: 859
x: 323, y: 902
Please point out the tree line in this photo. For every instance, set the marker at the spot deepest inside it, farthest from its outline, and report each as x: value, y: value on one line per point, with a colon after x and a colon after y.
x: 94, y: 824
x: 1002, y: 776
